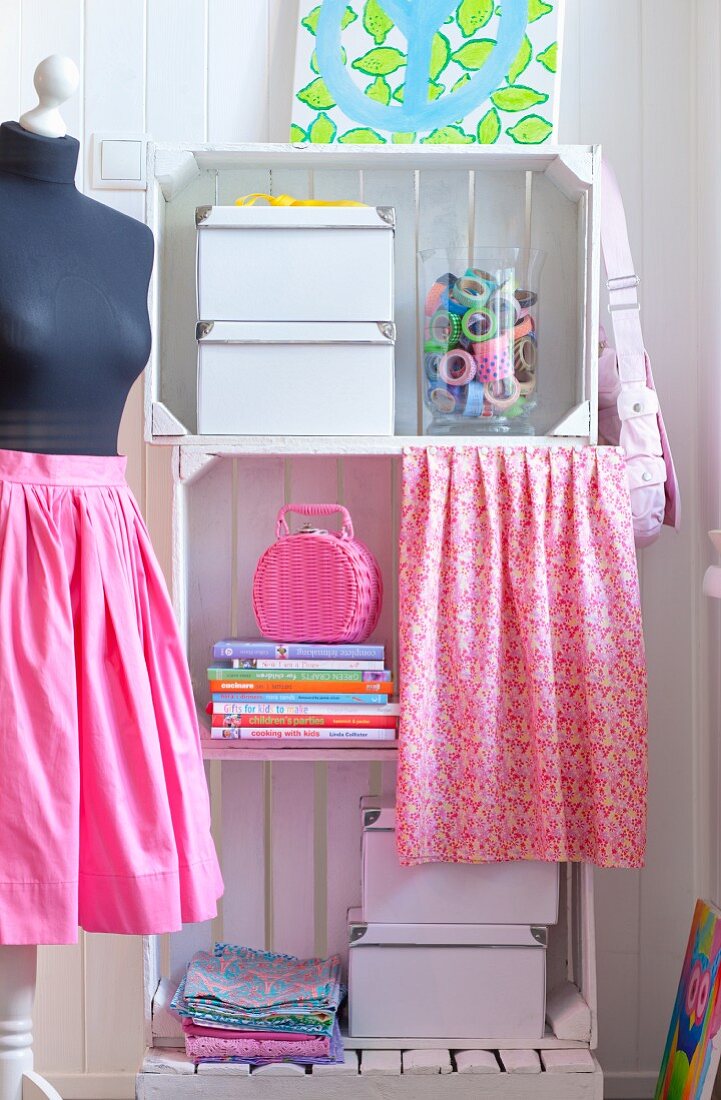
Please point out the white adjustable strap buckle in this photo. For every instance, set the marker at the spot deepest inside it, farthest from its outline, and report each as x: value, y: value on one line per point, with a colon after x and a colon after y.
x: 623, y: 282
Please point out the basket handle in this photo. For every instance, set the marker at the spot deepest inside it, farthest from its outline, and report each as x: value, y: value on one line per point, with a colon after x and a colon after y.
x: 282, y: 528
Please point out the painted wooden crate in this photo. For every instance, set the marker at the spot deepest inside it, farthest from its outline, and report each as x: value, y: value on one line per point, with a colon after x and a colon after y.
x: 287, y: 822
x: 452, y: 197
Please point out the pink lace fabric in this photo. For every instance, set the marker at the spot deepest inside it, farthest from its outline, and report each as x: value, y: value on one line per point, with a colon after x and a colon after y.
x: 523, y: 678
x: 204, y: 1046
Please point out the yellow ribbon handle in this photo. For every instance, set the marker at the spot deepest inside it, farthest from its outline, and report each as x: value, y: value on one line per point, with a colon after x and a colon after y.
x: 288, y: 200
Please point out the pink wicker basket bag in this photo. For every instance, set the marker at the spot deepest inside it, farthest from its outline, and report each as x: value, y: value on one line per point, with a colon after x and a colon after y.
x: 317, y: 586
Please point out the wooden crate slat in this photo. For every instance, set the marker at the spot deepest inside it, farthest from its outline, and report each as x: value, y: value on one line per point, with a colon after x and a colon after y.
x: 170, y: 1062
x: 244, y: 854
x: 398, y: 189
x: 166, y: 1024
x: 292, y: 839
x: 347, y: 1068
x: 476, y: 1061
x: 380, y: 1063
x: 279, y: 1069
x: 567, y: 1061
x: 568, y: 1014
x: 424, y: 1063
x: 499, y: 210
x: 347, y: 783
x: 268, y: 751
x: 520, y: 1061
x: 554, y: 230
x: 223, y: 1069
x: 334, y: 1086
x: 175, y: 343
x: 367, y: 492
x: 235, y: 184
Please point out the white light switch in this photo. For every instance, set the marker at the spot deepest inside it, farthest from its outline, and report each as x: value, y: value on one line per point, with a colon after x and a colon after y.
x: 119, y: 161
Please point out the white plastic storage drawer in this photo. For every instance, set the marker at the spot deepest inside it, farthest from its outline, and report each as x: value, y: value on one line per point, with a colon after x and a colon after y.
x: 304, y: 379
x: 260, y: 263
x: 446, y: 982
x: 520, y: 893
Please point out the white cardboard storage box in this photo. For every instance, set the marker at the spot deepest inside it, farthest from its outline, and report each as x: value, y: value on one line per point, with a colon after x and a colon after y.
x: 300, y: 379
x: 460, y: 981
x: 261, y: 263
x: 521, y: 893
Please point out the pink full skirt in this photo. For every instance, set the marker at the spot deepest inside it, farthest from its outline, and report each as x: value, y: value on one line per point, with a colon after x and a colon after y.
x: 104, y: 814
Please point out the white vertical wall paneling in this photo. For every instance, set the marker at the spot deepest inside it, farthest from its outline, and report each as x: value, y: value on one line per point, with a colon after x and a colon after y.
x: 53, y: 28
x: 282, y: 21
x: 115, y: 62
x: 239, y: 72
x: 114, y: 98
x: 177, y: 69
x: 671, y: 613
x: 569, y: 114
x: 10, y: 60
x: 600, y: 102
x: 708, y: 49
x: 603, y: 51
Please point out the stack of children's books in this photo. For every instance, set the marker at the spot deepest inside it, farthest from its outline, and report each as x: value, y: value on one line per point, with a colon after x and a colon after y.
x: 301, y: 694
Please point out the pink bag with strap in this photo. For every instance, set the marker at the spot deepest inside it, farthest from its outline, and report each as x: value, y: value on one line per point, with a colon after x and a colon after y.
x: 629, y: 414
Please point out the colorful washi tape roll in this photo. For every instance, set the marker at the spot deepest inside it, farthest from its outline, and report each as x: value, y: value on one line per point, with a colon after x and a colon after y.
x: 524, y: 327
x: 437, y: 296
x: 472, y: 291
x: 444, y: 328
x: 457, y: 367
x: 432, y: 362
x: 446, y: 399
x: 502, y: 394
x: 474, y: 400
x: 494, y: 359
x: 479, y: 324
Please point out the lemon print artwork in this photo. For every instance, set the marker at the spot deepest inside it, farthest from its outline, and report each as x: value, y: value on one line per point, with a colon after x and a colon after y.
x: 436, y: 71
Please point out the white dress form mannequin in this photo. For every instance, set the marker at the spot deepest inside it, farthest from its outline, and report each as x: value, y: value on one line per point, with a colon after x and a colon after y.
x: 56, y: 79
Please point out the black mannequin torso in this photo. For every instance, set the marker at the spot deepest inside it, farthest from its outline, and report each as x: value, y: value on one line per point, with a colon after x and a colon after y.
x: 74, y: 328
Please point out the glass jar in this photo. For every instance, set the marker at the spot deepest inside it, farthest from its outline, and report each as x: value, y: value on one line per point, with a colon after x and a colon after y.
x: 480, y: 315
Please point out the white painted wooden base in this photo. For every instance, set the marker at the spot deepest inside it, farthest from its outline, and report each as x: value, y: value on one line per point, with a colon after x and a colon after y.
x: 388, y: 1075
x: 18, y: 1081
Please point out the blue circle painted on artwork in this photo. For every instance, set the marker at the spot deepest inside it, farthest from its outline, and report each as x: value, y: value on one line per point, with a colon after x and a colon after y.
x: 418, y: 21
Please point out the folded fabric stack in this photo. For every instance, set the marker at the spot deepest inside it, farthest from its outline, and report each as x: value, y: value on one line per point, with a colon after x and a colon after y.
x: 241, y: 1005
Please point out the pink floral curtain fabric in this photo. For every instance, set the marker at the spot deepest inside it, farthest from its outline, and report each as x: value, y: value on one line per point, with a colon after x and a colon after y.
x: 523, y: 678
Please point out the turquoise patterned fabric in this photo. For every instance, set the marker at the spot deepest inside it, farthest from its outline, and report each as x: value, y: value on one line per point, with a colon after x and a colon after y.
x: 242, y: 988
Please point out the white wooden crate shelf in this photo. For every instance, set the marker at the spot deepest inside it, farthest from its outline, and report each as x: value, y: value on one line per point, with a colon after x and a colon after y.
x: 286, y: 820
x: 357, y: 445
x: 452, y: 197
x: 457, y: 1073
x: 234, y: 751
